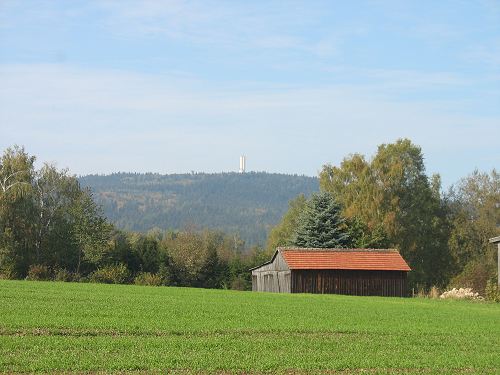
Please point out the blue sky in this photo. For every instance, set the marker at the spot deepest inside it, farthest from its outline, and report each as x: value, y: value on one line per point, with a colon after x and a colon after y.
x: 176, y: 86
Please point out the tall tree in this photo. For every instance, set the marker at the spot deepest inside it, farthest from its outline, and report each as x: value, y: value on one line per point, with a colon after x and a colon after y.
x: 393, y: 193
x: 16, y: 173
x: 45, y: 217
x: 362, y: 237
x: 53, y: 194
x: 321, y: 224
x: 90, y: 230
x: 354, y: 185
x: 16, y: 211
x: 475, y: 215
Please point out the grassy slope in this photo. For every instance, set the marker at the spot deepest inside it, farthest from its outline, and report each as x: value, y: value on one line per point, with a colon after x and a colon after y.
x: 47, y: 326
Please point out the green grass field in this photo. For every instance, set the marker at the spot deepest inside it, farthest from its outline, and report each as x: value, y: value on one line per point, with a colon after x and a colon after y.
x: 57, y: 327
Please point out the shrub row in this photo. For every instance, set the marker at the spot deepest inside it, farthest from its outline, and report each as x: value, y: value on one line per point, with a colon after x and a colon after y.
x: 41, y: 272
x: 491, y: 293
x: 112, y: 274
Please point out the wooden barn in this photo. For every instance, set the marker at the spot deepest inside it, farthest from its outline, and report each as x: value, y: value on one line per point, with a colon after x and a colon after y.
x: 359, y: 272
x: 496, y: 240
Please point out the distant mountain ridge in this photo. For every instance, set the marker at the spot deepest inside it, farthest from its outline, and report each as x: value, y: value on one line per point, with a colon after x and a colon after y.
x: 248, y: 204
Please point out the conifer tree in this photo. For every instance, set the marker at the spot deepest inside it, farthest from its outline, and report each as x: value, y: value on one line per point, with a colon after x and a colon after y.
x: 321, y: 224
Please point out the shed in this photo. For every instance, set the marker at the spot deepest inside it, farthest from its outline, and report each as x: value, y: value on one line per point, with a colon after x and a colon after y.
x: 496, y: 240
x: 360, y: 272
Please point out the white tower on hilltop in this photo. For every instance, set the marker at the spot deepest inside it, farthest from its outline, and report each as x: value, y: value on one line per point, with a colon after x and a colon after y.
x: 243, y: 163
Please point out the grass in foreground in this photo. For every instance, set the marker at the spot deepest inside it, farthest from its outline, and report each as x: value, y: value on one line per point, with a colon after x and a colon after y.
x: 50, y: 327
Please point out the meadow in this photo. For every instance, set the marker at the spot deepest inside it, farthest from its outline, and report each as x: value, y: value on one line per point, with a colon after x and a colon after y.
x: 51, y: 327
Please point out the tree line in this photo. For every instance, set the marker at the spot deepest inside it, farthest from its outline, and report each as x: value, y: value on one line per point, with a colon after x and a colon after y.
x: 388, y: 201
x: 51, y: 228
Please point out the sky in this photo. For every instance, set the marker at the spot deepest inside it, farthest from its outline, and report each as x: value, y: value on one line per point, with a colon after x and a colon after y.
x: 180, y: 86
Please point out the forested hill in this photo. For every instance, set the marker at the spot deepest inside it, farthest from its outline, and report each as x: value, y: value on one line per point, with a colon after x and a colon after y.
x: 248, y: 204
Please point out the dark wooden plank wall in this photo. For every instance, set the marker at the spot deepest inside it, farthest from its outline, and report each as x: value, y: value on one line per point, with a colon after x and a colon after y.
x: 351, y: 282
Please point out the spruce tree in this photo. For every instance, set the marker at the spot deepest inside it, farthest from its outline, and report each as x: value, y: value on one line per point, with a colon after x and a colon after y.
x: 321, y: 224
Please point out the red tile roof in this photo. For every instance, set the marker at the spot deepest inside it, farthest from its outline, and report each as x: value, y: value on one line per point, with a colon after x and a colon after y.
x: 345, y: 259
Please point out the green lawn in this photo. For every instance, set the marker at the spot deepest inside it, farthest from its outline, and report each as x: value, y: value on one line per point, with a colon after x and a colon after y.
x: 50, y: 327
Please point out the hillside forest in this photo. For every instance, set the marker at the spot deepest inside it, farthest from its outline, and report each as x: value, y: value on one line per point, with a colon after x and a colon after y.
x: 248, y: 204
x: 52, y: 227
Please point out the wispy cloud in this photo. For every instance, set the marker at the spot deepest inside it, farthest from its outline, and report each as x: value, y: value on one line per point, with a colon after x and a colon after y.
x: 171, y: 118
x: 271, y: 25
x: 13, y: 13
x: 292, y: 84
x: 485, y: 52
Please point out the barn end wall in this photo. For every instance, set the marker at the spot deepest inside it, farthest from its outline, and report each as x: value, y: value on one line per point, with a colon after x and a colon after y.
x: 350, y: 282
x: 272, y: 277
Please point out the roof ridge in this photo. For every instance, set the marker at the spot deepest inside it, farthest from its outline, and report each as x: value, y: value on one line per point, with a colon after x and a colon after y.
x: 340, y: 249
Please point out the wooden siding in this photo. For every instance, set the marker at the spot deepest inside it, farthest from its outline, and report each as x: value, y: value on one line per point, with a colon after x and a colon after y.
x: 271, y: 281
x: 351, y: 282
x: 272, y: 277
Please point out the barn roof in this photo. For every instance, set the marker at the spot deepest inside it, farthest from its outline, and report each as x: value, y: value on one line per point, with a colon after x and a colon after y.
x: 344, y: 259
x: 495, y: 240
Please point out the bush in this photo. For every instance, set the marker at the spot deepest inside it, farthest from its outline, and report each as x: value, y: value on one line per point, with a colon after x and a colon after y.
x: 115, y: 274
x: 39, y: 272
x: 434, y: 292
x: 421, y: 292
x: 63, y: 274
x: 79, y: 278
x: 7, y: 275
x: 492, y: 292
x: 239, y: 283
x: 475, y: 275
x: 148, y: 278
